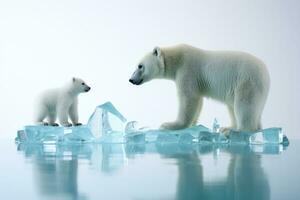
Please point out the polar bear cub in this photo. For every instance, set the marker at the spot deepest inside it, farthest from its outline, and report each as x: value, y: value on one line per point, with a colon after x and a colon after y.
x: 61, y: 102
x: 238, y: 79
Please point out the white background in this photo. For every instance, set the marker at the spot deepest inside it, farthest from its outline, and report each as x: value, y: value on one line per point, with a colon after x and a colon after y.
x: 44, y: 43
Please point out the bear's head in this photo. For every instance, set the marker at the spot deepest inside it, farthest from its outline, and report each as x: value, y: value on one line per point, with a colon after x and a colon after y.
x: 79, y: 86
x: 150, y: 67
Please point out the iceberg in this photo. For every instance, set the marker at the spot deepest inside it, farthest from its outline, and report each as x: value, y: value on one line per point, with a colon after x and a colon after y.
x: 108, y: 125
x: 106, y: 120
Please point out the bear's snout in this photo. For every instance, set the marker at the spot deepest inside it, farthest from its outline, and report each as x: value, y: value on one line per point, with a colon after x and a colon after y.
x: 88, y: 89
x: 135, y: 82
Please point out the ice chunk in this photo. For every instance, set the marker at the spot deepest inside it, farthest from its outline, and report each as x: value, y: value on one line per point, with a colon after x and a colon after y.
x: 238, y: 137
x: 112, y: 138
x: 187, y: 138
x: 184, y: 135
x: 167, y: 138
x: 77, y: 134
x: 134, y: 133
x: 40, y: 134
x: 265, y: 136
x: 134, y: 127
x: 194, y: 130
x: 131, y: 127
x: 136, y: 138
x: 105, y: 120
x: 151, y: 136
x: 211, y: 137
x: 285, y: 141
x: 52, y: 135
x: 108, y: 125
x: 270, y: 135
x: 216, y: 126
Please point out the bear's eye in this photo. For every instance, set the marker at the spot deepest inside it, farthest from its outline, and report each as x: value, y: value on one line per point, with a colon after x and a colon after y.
x: 82, y: 83
x: 140, y: 66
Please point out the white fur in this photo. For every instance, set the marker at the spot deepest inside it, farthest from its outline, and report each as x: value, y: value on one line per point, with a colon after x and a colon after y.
x: 238, y: 79
x: 61, y: 102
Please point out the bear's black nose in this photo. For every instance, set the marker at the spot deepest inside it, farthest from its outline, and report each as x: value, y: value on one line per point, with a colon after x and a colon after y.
x: 131, y: 81
x: 88, y: 89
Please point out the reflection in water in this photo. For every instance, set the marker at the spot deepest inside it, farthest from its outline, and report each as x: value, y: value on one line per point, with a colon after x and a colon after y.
x: 58, y: 178
x: 245, y: 179
x: 55, y: 171
x: 190, y: 183
x: 56, y: 168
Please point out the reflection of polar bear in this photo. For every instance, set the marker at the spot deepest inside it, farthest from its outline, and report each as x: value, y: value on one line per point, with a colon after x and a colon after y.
x: 238, y: 79
x: 62, y: 102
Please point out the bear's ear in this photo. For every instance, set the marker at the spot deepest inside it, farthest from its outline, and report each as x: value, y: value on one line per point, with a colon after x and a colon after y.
x: 157, y: 51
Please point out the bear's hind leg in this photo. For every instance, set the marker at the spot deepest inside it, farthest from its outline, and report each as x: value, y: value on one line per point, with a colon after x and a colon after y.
x: 41, y: 115
x: 248, y: 106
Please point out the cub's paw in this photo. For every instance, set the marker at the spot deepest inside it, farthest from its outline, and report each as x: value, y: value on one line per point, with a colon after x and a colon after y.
x: 41, y: 124
x: 172, y: 126
x: 54, y: 124
x: 67, y: 124
x: 77, y: 124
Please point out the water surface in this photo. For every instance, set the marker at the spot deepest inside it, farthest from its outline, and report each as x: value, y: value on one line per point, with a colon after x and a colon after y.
x: 149, y: 171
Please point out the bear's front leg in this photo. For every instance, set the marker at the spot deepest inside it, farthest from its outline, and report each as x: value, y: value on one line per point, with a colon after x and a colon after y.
x: 226, y: 130
x: 62, y: 111
x: 190, y: 103
x: 73, y: 113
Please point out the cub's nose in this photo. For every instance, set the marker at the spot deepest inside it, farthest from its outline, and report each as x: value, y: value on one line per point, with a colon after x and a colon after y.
x: 131, y: 81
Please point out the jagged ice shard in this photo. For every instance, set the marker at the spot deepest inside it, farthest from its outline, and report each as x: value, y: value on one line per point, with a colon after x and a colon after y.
x: 108, y: 125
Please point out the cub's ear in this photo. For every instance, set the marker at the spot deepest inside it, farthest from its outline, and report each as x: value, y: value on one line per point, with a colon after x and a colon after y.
x: 157, y: 51
x: 73, y: 79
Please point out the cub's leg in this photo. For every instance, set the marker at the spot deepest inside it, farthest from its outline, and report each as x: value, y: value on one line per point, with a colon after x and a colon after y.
x: 73, y: 114
x: 62, y: 111
x: 52, y: 118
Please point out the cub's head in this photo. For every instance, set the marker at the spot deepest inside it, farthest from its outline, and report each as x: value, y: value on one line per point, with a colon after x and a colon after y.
x: 150, y: 67
x: 79, y: 86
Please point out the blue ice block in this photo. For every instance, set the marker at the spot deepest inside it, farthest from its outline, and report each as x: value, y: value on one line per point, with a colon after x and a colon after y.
x: 105, y: 120
x: 265, y: 136
x: 40, y: 134
x: 77, y: 134
x: 136, y: 138
x: 52, y: 135
x: 187, y: 138
x: 108, y: 125
x: 216, y: 126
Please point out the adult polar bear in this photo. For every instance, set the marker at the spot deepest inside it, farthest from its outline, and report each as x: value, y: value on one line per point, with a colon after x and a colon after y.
x: 238, y: 79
